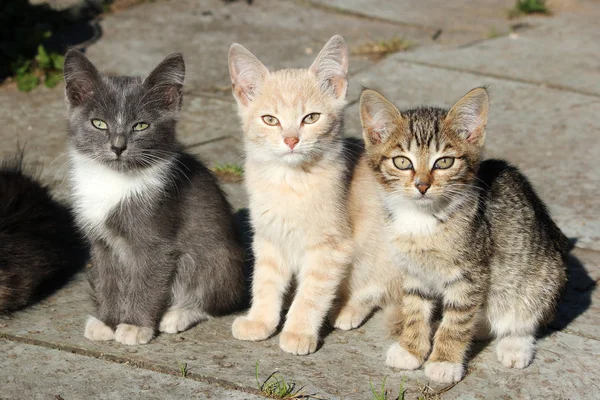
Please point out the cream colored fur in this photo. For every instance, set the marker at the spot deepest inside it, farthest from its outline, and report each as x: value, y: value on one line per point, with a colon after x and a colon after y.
x: 299, y: 203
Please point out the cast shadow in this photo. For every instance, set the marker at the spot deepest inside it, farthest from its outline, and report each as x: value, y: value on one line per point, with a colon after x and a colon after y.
x: 576, y: 298
x: 243, y: 227
x: 24, y: 26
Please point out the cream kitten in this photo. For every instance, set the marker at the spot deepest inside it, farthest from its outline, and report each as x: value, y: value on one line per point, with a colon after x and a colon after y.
x: 298, y: 179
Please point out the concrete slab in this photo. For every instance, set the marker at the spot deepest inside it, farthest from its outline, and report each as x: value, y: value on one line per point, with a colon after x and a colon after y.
x: 460, y: 21
x: 342, y: 368
x: 562, y: 51
x: 550, y: 134
x: 36, y: 372
x: 283, y: 34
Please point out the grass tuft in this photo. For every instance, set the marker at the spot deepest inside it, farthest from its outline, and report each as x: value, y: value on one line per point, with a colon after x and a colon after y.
x: 526, y: 7
x: 229, y: 172
x: 381, y: 394
x: 275, y: 387
x: 183, y: 368
x: 380, y: 49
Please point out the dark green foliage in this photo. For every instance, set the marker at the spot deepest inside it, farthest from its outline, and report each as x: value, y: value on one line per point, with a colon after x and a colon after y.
x: 524, y: 7
x: 29, y: 50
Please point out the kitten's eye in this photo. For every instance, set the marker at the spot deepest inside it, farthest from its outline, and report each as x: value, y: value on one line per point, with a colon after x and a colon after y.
x: 99, y: 124
x: 311, y: 118
x: 140, y: 126
x: 402, y: 163
x: 444, y: 163
x: 270, y: 120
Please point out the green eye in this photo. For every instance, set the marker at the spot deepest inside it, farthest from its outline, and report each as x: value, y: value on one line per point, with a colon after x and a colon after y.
x: 140, y: 126
x: 444, y: 163
x: 402, y: 163
x: 311, y: 118
x: 270, y: 120
x: 99, y: 124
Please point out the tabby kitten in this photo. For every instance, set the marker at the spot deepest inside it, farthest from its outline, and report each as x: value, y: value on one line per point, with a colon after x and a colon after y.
x: 468, y: 232
x: 164, y: 250
x: 297, y: 174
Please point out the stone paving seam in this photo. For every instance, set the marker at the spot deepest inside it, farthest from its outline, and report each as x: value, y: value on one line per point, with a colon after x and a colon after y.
x: 149, y: 366
x: 548, y: 85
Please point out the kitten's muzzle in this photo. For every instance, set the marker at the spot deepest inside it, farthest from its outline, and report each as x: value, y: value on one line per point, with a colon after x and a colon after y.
x: 118, y: 145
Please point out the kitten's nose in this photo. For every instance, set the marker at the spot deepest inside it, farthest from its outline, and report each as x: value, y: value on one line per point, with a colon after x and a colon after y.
x: 423, y: 186
x: 291, y: 141
x: 118, y: 144
x: 118, y: 149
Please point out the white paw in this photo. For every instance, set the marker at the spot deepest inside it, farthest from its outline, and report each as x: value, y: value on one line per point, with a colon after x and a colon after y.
x: 399, y: 357
x: 178, y: 320
x: 244, y: 328
x: 299, y: 344
x: 444, y: 371
x: 350, y: 317
x: 98, y: 330
x: 132, y: 335
x: 515, y: 351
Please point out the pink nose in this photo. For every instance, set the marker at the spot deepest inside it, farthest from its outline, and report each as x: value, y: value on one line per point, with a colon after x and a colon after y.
x: 291, y: 141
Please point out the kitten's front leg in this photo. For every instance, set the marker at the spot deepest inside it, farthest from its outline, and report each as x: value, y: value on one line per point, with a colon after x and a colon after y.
x: 410, y: 323
x: 146, y: 299
x: 271, y: 279
x: 462, y: 302
x: 324, y: 267
x: 103, y: 278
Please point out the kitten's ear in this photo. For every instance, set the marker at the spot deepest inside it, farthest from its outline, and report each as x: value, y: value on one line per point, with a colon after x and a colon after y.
x: 468, y: 117
x: 247, y: 74
x: 379, y: 117
x: 165, y: 82
x: 331, y: 67
x: 81, y: 77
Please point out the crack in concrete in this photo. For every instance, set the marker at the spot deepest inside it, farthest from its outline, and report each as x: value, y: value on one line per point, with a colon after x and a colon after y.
x: 163, y: 369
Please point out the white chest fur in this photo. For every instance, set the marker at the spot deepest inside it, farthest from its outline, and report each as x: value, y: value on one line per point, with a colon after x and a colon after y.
x: 98, y: 189
x: 410, y: 220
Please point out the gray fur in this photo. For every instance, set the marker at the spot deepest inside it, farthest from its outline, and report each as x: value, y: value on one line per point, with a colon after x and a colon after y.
x: 173, y: 245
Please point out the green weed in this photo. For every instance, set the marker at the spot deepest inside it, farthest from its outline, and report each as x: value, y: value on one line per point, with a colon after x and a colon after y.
x: 183, y: 368
x: 229, y: 172
x: 275, y: 387
x: 525, y: 7
x: 45, y: 66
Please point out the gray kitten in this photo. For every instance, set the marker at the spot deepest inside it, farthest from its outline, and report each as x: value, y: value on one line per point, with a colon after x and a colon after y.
x: 471, y: 234
x: 164, y: 249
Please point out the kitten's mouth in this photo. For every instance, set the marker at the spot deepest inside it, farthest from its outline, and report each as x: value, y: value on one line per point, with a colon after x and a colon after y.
x: 423, y: 200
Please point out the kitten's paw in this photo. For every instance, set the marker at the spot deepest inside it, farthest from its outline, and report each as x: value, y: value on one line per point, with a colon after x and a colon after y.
x: 248, y: 329
x: 399, y: 357
x: 178, y: 320
x: 515, y: 352
x: 132, y: 335
x: 444, y: 371
x: 98, y: 330
x: 298, y: 343
x: 351, y: 317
